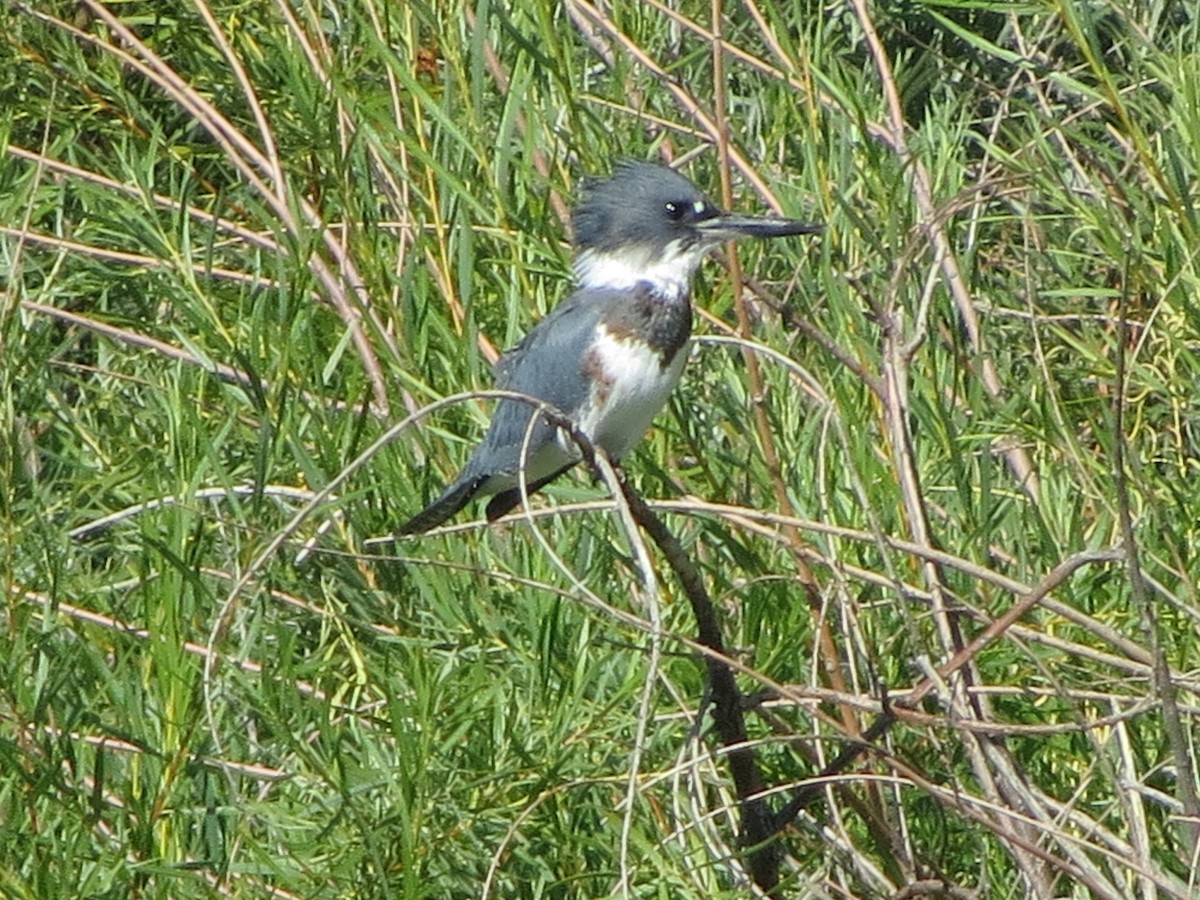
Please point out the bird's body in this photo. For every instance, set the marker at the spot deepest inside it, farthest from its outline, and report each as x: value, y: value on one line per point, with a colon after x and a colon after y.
x: 609, y: 355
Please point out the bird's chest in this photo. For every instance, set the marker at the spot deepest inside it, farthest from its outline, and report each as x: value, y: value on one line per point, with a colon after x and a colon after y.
x: 631, y: 379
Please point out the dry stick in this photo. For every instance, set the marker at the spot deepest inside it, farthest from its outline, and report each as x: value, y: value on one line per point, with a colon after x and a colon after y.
x: 254, y: 165
x: 583, y: 12
x: 879, y: 727
x: 1053, y: 579
x: 984, y: 756
x: 224, y: 372
x: 162, y: 201
x: 793, y: 321
x: 137, y: 339
x: 541, y: 162
x: 899, y: 347
x: 893, y: 134
x: 1164, y: 687
x: 757, y: 818
x: 762, y: 854
x: 123, y: 257
x: 827, y: 647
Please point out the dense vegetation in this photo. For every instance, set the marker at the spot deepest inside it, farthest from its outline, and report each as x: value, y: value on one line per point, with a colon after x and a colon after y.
x: 938, y: 466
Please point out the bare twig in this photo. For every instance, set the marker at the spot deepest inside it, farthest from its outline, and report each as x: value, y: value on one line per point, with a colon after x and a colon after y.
x: 1164, y: 687
x: 343, y: 285
x: 728, y: 717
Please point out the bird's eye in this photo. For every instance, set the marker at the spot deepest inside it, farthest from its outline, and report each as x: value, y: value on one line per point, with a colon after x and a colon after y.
x: 675, y: 211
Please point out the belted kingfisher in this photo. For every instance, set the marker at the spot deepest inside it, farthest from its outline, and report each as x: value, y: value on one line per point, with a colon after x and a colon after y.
x: 609, y: 355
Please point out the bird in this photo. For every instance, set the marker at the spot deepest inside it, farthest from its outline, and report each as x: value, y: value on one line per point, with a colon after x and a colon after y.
x: 610, y: 354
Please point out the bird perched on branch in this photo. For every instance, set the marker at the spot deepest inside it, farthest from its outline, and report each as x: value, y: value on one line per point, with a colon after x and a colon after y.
x: 609, y: 355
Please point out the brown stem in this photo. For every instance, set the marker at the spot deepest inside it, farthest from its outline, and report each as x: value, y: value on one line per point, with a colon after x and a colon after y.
x: 762, y: 856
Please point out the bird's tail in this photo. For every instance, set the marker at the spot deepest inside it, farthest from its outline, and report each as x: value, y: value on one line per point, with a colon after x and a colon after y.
x: 451, y: 501
x: 506, y: 501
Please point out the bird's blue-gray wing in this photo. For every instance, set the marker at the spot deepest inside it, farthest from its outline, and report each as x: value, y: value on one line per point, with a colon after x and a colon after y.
x: 546, y: 365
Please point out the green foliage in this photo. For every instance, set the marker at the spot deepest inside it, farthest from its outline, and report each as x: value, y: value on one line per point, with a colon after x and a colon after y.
x: 239, y: 241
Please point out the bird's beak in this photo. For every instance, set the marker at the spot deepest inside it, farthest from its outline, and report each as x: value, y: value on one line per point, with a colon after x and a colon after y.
x: 729, y: 226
